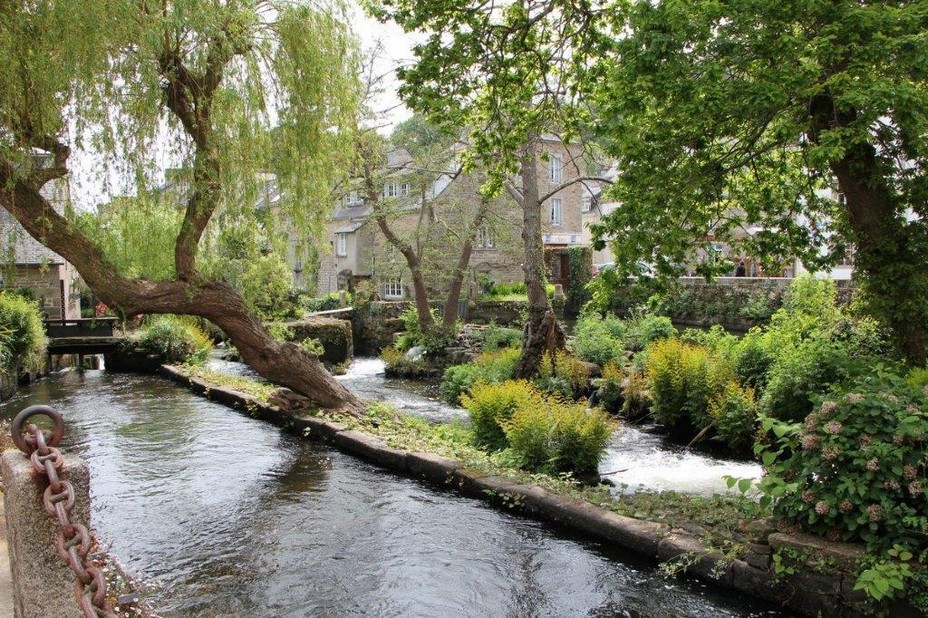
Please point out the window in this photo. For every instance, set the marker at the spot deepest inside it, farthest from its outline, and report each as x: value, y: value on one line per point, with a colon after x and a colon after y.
x: 341, y: 245
x: 557, y: 211
x: 393, y: 189
x: 485, y: 237
x: 352, y: 199
x: 555, y: 169
x: 586, y: 204
x: 392, y: 287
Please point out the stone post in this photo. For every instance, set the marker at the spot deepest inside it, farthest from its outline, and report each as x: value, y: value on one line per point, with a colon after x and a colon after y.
x: 43, y: 585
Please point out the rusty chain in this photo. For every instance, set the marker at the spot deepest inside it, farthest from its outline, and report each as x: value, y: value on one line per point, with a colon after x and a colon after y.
x: 73, y: 541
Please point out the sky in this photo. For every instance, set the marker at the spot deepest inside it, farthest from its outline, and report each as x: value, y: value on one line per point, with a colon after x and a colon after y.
x: 397, y: 48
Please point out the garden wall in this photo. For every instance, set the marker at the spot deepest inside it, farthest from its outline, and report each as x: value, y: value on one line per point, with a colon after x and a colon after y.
x: 736, y: 303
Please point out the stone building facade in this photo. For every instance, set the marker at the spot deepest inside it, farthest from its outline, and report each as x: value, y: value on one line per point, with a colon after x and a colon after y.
x: 33, y: 268
x: 432, y: 213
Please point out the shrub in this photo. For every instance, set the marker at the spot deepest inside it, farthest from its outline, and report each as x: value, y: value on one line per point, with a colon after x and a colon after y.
x: 492, y: 405
x: 637, y: 398
x: 22, y: 335
x: 552, y: 436
x: 856, y: 467
x: 752, y: 359
x: 682, y: 378
x: 646, y: 329
x: 734, y: 416
x: 432, y: 340
x: 564, y: 374
x: 176, y: 338
x: 489, y: 367
x: 800, y: 373
x: 610, y: 387
x: 598, y: 340
x: 495, y: 337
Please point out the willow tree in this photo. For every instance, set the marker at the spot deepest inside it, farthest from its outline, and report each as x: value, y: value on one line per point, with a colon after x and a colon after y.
x: 237, y: 89
x: 509, y: 73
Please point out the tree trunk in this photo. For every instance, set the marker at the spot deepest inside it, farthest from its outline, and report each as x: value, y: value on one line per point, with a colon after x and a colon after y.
x: 457, y: 279
x: 886, y: 253
x: 285, y: 364
x: 419, y: 291
x: 542, y: 332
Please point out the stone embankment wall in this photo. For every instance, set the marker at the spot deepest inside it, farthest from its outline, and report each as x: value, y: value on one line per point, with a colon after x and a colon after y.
x: 335, y: 336
x: 808, y: 589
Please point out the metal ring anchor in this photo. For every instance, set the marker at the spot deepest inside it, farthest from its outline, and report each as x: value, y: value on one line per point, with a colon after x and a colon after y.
x: 52, y: 438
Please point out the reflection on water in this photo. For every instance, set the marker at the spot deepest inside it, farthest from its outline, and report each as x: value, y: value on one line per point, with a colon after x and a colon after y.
x: 233, y: 518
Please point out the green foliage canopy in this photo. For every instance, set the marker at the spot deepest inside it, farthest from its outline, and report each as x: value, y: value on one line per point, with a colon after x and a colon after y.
x: 738, y: 116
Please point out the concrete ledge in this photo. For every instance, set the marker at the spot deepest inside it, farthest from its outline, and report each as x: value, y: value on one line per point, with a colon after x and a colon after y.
x: 371, y: 448
x: 431, y: 467
x: 42, y: 584
x: 844, y: 555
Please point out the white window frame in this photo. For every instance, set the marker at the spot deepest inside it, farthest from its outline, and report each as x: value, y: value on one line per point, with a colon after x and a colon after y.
x: 392, y: 287
x: 485, y: 237
x: 341, y: 244
x: 556, y: 212
x: 555, y: 168
x: 353, y: 199
x: 396, y: 189
x: 586, y: 203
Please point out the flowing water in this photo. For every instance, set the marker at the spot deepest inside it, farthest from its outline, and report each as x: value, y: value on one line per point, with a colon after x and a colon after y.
x: 229, y: 516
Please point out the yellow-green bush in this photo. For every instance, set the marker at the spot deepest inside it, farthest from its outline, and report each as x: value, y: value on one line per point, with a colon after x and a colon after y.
x: 610, y: 387
x: 554, y: 436
x: 637, y: 398
x: 734, y: 417
x: 22, y: 335
x: 178, y: 339
x: 489, y: 367
x: 492, y: 405
x: 682, y: 378
x: 563, y: 373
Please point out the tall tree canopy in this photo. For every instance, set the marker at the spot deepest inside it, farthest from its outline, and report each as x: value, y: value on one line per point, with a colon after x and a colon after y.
x: 237, y: 87
x: 507, y: 73
x: 725, y: 115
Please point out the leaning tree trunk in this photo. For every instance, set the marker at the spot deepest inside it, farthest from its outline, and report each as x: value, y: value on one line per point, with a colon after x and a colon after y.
x: 285, y: 364
x: 542, y: 331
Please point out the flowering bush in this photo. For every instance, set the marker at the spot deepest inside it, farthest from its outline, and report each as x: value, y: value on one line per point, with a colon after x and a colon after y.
x: 856, y: 469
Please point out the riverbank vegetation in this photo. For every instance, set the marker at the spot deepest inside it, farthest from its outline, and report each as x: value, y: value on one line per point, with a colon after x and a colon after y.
x: 22, y: 335
x: 839, y: 423
x: 178, y: 340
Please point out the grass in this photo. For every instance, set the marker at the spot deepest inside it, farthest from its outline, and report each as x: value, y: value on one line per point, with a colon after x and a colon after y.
x: 259, y: 390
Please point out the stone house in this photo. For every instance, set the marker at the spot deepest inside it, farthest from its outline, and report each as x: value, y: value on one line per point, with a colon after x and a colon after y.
x: 431, y: 210
x: 31, y: 267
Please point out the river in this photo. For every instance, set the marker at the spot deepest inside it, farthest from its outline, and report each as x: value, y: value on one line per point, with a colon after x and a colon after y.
x: 228, y: 516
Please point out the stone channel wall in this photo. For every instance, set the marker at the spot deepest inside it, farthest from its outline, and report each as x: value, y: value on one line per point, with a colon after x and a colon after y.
x: 804, y: 590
